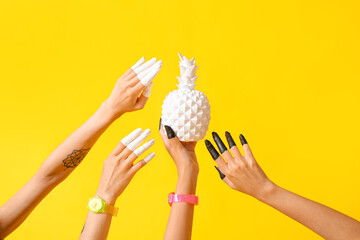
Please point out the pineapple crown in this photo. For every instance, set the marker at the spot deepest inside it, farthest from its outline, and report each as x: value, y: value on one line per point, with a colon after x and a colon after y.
x: 187, y: 72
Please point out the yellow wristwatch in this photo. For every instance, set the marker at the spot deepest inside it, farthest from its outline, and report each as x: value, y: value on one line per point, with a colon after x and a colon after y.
x: 97, y: 205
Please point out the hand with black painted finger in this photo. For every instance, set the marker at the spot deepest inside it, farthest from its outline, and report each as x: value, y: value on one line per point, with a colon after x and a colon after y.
x: 179, y: 226
x: 182, y: 153
x: 240, y: 172
x: 136, y: 81
x: 118, y: 170
x: 243, y: 173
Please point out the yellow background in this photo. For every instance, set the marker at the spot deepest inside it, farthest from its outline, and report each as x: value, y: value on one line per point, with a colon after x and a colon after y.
x: 283, y: 73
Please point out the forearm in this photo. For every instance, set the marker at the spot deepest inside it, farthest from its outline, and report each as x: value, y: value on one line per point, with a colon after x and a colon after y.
x: 326, y: 222
x: 69, y: 154
x: 179, y: 226
x: 55, y: 169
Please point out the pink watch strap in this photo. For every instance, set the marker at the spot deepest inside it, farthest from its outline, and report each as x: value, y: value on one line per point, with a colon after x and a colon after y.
x: 192, y: 199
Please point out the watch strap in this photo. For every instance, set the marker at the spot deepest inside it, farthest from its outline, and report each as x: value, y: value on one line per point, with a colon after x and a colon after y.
x: 188, y: 198
x: 110, y: 209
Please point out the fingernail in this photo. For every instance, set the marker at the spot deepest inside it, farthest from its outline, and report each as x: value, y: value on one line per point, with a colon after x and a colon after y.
x: 149, y: 157
x: 147, y: 90
x: 138, y: 63
x: 219, y: 142
x: 230, y: 140
x: 160, y: 124
x: 222, y: 176
x: 214, y: 154
x: 148, y: 78
x: 169, y: 132
x: 242, y: 139
x: 145, y: 66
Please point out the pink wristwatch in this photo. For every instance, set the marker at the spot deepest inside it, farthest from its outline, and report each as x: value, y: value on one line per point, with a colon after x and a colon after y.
x: 192, y: 199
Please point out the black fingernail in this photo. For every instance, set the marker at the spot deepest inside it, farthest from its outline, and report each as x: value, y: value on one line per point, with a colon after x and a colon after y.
x: 242, y: 139
x: 211, y: 150
x: 219, y: 142
x: 169, y: 132
x: 230, y: 140
x: 160, y: 124
x: 222, y: 176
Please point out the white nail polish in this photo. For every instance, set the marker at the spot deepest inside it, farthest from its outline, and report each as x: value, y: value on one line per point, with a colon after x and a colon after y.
x: 149, y: 157
x: 147, y: 90
x: 145, y: 66
x: 180, y: 56
x: 134, y: 144
x: 147, y: 71
x: 148, y: 78
x: 129, y: 138
x: 144, y: 147
x: 138, y: 63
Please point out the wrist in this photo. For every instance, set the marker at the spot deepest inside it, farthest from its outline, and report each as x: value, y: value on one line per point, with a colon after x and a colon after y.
x: 108, y: 111
x: 107, y: 197
x: 267, y: 192
x: 186, y: 184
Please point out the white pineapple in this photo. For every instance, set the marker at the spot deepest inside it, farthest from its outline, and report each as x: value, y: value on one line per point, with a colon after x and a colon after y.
x: 185, y: 110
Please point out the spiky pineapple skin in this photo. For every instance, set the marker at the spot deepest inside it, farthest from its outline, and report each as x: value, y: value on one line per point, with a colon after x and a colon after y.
x: 187, y: 112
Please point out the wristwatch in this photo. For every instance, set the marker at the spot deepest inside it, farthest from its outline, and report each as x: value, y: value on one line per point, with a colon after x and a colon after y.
x: 97, y: 205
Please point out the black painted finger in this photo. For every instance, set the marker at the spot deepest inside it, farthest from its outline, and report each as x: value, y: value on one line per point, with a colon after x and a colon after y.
x: 160, y: 124
x: 242, y: 140
x: 230, y: 140
x: 219, y: 142
x: 169, y: 132
x: 214, y: 154
x: 222, y: 176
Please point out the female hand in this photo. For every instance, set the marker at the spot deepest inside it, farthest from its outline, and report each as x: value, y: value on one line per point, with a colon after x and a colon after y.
x: 119, y: 167
x: 241, y: 173
x: 137, y: 80
x: 183, y: 153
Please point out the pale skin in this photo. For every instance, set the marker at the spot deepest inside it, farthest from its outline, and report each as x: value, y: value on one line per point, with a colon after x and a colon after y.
x: 126, y: 97
x: 179, y: 225
x: 118, y: 170
x: 244, y: 174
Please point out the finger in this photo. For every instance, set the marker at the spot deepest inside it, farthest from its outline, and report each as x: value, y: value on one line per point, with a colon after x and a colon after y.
x: 146, y: 79
x: 232, y: 145
x: 138, y: 63
x: 133, y: 156
x: 171, y: 135
x: 142, y: 163
x: 145, y: 66
x: 147, y: 71
x: 215, y: 155
x: 222, y: 148
x: 247, y: 150
x: 141, y: 101
x: 144, y: 147
x: 224, y: 178
x: 164, y: 137
x: 136, y: 142
x: 126, y: 140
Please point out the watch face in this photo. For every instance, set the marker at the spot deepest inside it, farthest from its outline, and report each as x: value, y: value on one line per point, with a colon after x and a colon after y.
x: 96, y: 205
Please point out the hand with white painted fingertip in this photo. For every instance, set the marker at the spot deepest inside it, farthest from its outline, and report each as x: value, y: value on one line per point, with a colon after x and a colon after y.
x: 119, y: 167
x: 132, y: 90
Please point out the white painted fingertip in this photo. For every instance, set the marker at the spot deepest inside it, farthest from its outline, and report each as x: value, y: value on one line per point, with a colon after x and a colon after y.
x: 147, y: 71
x: 147, y: 90
x: 134, y: 144
x: 138, y: 63
x: 144, y: 147
x: 129, y: 138
x: 149, y: 157
x: 145, y: 66
x: 148, y: 78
